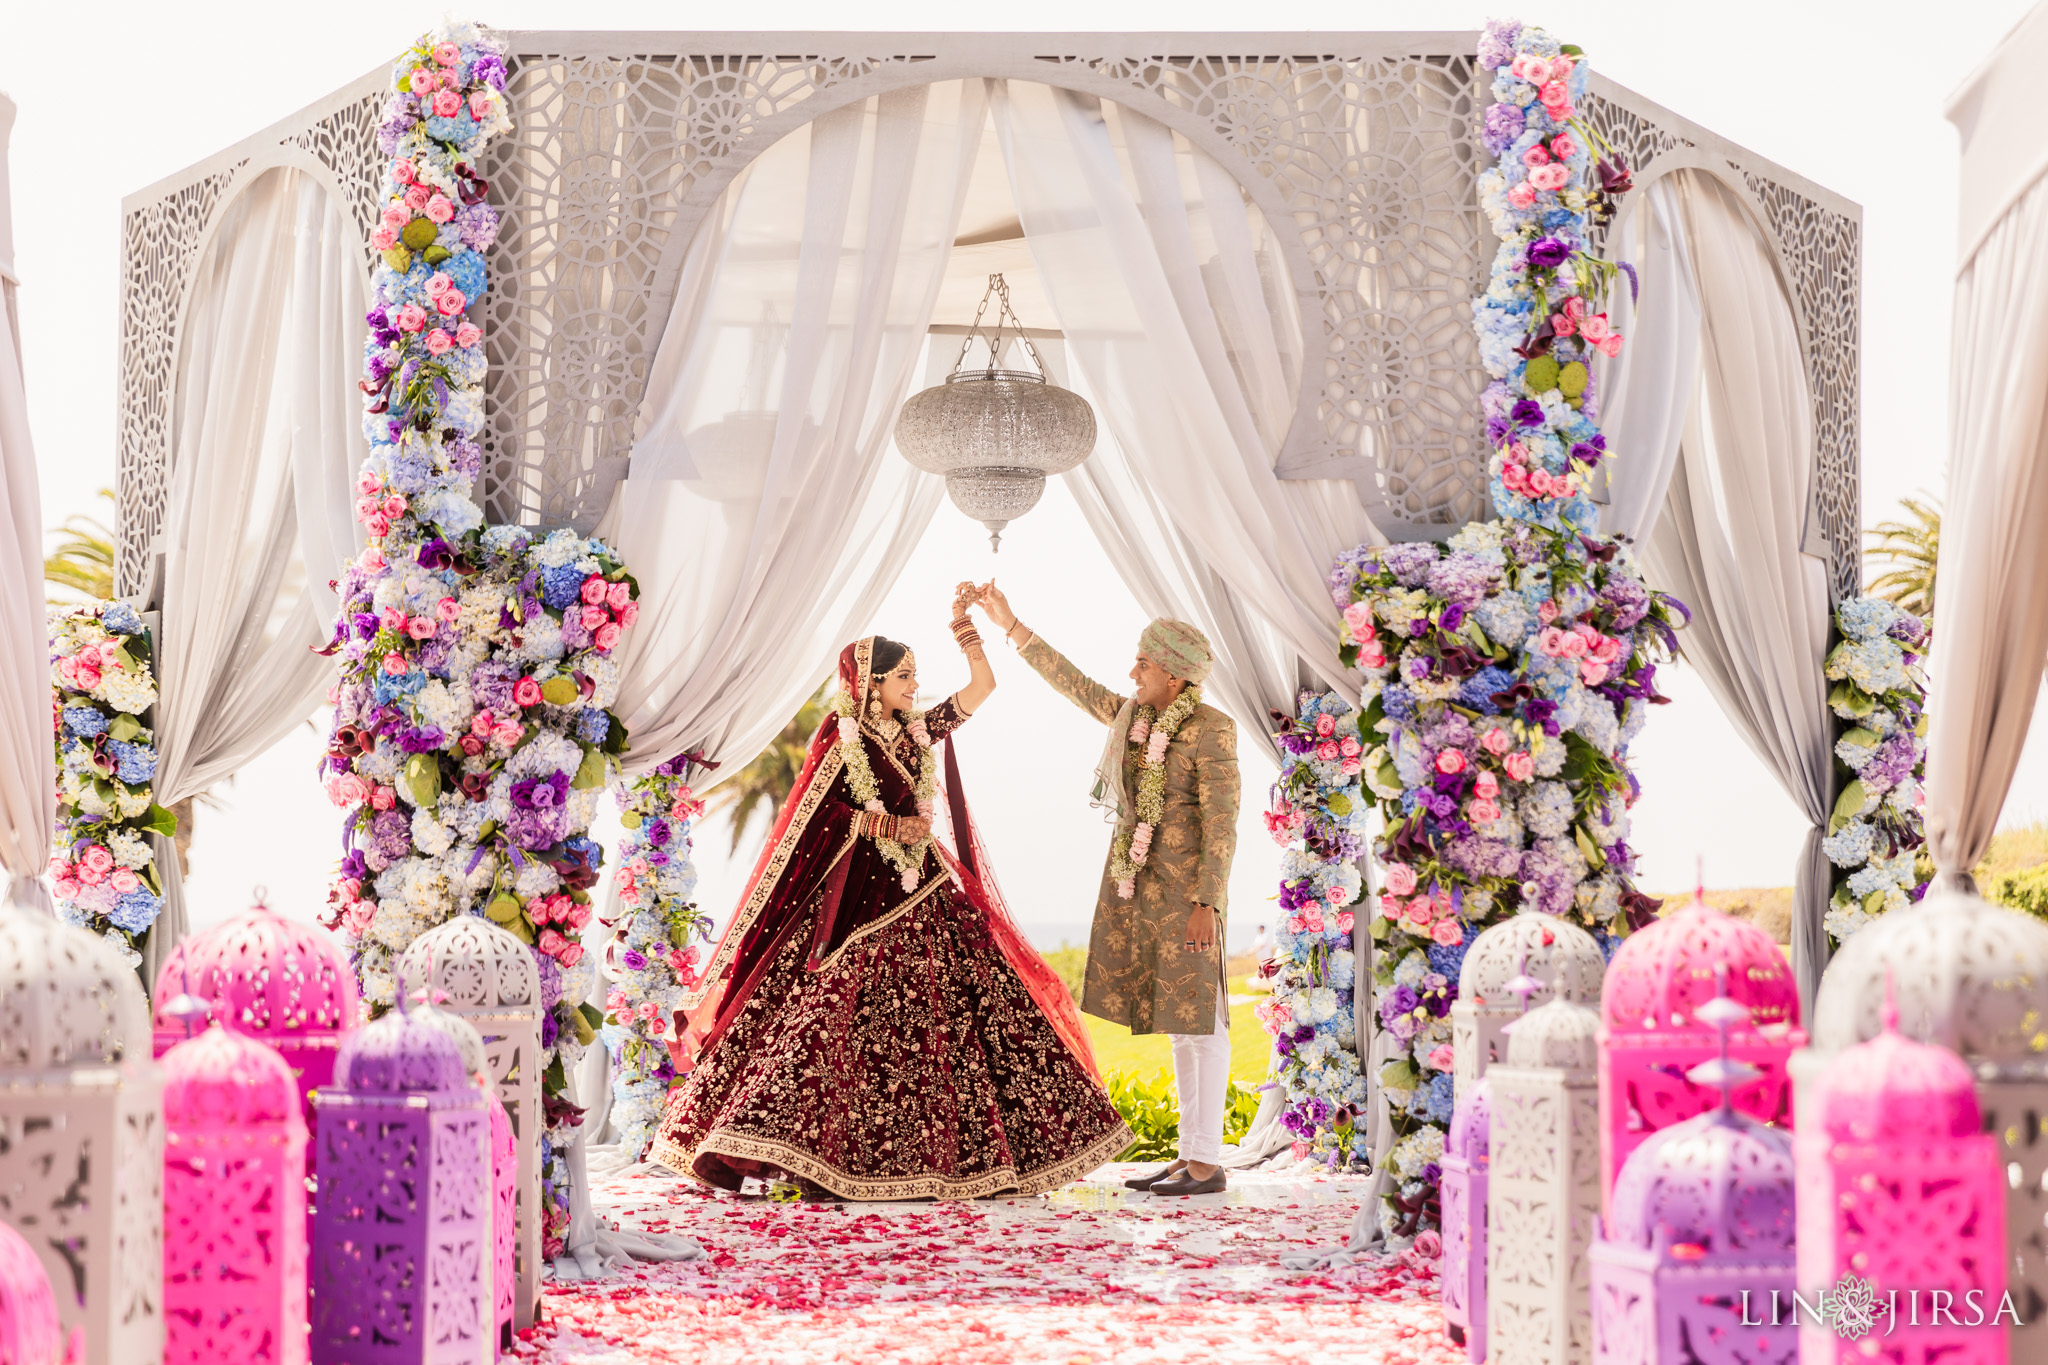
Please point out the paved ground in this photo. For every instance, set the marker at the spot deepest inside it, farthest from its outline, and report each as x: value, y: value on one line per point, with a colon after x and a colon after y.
x: 1082, y: 1277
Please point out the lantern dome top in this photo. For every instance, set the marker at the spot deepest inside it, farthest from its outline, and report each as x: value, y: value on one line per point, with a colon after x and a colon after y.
x: 468, y: 1042
x: 1969, y: 975
x: 1664, y: 972
x: 224, y: 1078
x: 1896, y: 1090
x: 29, y: 1328
x: 263, y: 974
x: 1562, y: 956
x: 1561, y: 1034
x: 399, y: 1053
x: 66, y: 998
x: 1471, y: 1130
x: 1721, y: 1181
x: 474, y: 963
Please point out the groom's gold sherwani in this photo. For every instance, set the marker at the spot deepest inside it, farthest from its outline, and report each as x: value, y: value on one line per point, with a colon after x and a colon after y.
x: 1139, y: 975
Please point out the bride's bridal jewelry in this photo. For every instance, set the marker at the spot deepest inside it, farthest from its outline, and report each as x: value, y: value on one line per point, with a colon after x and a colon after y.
x: 967, y: 637
x: 860, y: 776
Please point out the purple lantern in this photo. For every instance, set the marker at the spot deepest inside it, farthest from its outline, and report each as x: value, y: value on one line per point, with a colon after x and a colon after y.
x: 234, y: 1204
x: 1463, y: 1195
x: 401, y: 1240
x: 1702, y: 1223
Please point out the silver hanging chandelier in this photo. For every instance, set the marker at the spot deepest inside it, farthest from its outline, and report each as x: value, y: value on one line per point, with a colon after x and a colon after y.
x: 995, y: 434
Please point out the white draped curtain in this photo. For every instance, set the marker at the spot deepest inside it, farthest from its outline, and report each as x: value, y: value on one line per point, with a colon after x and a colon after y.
x: 28, y: 778
x: 266, y: 441
x: 763, y: 514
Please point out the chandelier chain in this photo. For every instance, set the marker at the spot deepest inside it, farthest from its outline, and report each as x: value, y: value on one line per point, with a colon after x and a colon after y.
x: 998, y: 289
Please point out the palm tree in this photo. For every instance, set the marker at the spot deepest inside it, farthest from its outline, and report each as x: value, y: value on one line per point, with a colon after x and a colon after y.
x: 767, y: 781
x: 83, y: 562
x: 1907, y: 549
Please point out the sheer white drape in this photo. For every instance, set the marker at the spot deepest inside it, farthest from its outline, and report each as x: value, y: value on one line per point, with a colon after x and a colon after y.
x: 1647, y: 391
x: 266, y: 443
x: 28, y: 779
x: 1991, y: 583
x: 763, y: 516
x: 1728, y: 544
x: 1177, y: 315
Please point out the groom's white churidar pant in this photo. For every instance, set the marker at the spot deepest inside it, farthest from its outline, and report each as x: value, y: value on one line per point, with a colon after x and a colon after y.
x: 1201, y: 1073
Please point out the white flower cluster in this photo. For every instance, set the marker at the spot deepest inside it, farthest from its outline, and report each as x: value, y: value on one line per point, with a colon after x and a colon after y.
x: 1874, y: 834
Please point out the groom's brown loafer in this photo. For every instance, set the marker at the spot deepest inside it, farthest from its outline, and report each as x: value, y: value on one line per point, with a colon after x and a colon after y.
x: 1187, y: 1184
x: 1143, y: 1183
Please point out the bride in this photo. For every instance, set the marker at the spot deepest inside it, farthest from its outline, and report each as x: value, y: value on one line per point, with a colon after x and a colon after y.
x: 871, y: 1024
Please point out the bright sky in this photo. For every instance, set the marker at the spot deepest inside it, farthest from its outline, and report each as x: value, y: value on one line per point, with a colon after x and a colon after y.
x: 1848, y: 94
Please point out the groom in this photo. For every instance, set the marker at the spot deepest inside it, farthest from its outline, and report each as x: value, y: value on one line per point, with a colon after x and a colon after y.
x: 1155, y: 954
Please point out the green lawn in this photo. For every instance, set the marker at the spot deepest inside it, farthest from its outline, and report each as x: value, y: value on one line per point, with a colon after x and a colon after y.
x: 1118, y: 1049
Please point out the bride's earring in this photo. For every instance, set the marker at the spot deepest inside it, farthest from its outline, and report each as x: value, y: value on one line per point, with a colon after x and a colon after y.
x: 875, y: 707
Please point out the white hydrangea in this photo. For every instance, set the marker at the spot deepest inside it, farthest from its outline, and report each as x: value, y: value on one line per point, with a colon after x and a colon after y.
x: 429, y: 835
x: 129, y: 848
x: 536, y: 879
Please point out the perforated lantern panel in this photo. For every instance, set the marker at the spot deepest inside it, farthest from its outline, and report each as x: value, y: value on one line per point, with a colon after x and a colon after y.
x: 1543, y: 1205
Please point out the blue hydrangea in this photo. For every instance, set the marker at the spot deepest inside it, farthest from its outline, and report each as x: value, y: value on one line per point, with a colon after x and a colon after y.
x: 1398, y: 703
x: 560, y: 587
x: 593, y: 725
x: 1609, y: 941
x: 458, y: 128
x: 121, y: 618
x: 412, y: 471
x: 466, y: 269
x: 388, y: 688
x: 136, y: 910
x: 1448, y: 960
x: 1438, y: 1106
x: 135, y: 764
x: 1476, y: 692
x: 84, y: 721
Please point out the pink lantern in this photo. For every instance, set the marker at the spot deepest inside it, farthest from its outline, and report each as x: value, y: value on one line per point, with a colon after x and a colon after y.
x: 1902, y: 1198
x: 29, y: 1334
x: 1462, y: 1192
x: 1702, y: 1234
x: 277, y: 979
x: 234, y: 1204
x: 1650, y: 1037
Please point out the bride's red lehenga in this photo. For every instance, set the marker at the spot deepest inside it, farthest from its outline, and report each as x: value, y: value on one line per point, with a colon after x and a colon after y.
x: 878, y: 1042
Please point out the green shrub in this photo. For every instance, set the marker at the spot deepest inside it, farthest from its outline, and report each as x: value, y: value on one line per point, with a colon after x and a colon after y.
x: 2025, y: 890
x: 1069, y: 964
x: 1152, y: 1112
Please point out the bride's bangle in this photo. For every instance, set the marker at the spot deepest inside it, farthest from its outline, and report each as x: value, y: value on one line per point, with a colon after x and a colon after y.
x: 967, y: 637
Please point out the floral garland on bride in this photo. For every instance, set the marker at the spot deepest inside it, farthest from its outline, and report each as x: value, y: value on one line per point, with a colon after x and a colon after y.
x: 907, y: 859
x: 1154, y: 731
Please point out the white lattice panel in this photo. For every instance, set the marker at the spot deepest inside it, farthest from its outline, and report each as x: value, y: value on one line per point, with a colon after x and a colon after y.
x: 622, y: 141
x: 1543, y: 1207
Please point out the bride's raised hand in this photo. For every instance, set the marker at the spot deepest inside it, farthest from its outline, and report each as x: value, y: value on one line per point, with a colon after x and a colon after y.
x: 964, y: 596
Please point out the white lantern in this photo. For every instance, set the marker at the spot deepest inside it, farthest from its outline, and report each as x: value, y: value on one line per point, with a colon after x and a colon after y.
x: 1564, y: 959
x: 81, y: 1132
x: 1543, y: 1189
x: 996, y: 434
x: 486, y: 975
x: 1972, y: 977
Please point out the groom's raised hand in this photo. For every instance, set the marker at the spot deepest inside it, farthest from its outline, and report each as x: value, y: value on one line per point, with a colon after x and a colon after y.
x: 997, y: 606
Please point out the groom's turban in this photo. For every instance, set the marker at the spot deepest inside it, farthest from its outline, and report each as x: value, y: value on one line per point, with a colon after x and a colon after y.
x: 1178, y: 648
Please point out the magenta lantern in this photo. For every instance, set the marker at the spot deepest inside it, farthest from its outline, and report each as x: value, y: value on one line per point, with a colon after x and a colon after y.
x: 29, y: 1334
x: 401, y: 1240
x: 1462, y: 1191
x: 234, y: 1204
x: 1901, y: 1199
x: 1650, y: 1037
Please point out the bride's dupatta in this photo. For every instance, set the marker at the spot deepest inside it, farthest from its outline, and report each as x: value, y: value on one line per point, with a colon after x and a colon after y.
x: 806, y: 859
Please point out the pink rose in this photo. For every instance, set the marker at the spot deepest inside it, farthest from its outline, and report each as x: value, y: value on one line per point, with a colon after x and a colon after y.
x: 1358, y: 620
x: 606, y: 636
x: 1450, y: 761
x: 1547, y: 612
x: 480, y: 724
x: 1557, y: 102
x: 411, y: 318
x: 1349, y: 746
x: 1561, y: 66
x: 1428, y: 1245
x: 420, y: 628
x: 438, y: 284
x: 396, y: 216
x: 618, y: 595
x: 98, y: 859
x: 1351, y: 767
x: 1447, y: 932
x: 366, y: 482
x: 479, y: 105
x: 1522, y: 196
x: 1563, y: 148
x: 1520, y: 766
x: 1482, y: 810
x: 439, y: 342
x: 447, y: 54
x: 1390, y: 907
x: 372, y: 560
x: 629, y: 613
x: 1400, y: 879
x: 594, y: 589
x: 1530, y: 67
x: 1592, y: 673
x: 422, y: 80
x: 1372, y: 656
x: 67, y: 888
x: 1536, y: 156
x: 447, y: 104
x: 402, y: 171
x: 439, y: 209
x: 1596, y: 329
x: 1419, y: 912
x: 448, y: 609
x: 1326, y: 725
x: 1607, y: 651
x: 593, y: 617
x: 1345, y: 920
x: 451, y: 303
x: 1442, y: 1058
x: 383, y: 798
x: 527, y: 691
x: 384, y: 238
x: 1337, y: 895
x: 468, y: 334
x: 416, y: 198
x: 394, y: 505
x: 508, y: 733
x: 353, y: 789
x: 551, y: 941
x: 88, y: 676
x: 395, y: 665
x: 358, y: 916
x: 377, y: 524
x: 1486, y: 784
x: 1612, y: 346
x: 1550, y: 177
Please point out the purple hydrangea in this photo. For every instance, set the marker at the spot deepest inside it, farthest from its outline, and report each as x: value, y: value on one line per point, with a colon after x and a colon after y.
x: 1497, y: 43
x: 490, y: 685
x: 1908, y: 629
x: 466, y: 457
x: 1461, y: 578
x: 1504, y: 124
x: 1625, y: 600
x: 575, y: 635
x: 1892, y: 763
x: 391, y: 835
x: 550, y: 973
x: 1409, y: 563
x: 1476, y: 857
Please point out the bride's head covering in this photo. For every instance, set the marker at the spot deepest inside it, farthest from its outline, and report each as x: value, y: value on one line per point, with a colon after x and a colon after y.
x: 861, y: 662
